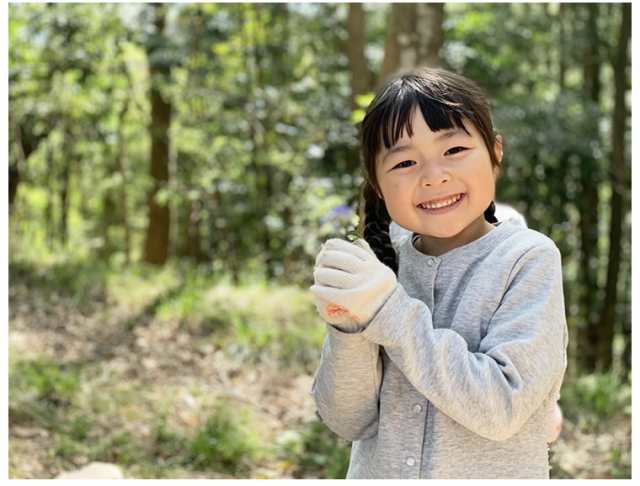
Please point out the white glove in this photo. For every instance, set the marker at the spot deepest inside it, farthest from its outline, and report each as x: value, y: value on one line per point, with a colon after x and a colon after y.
x: 351, y: 284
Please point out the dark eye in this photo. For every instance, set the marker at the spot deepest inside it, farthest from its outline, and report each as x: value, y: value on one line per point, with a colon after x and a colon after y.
x: 400, y: 164
x: 457, y: 151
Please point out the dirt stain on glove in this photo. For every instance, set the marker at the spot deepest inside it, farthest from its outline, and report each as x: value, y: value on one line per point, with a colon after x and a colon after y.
x: 337, y: 310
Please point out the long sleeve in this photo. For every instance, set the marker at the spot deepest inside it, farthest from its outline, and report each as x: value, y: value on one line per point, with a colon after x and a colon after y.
x: 347, y: 383
x: 495, y: 390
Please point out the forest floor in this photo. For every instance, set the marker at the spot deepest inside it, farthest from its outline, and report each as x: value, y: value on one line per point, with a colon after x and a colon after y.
x: 131, y: 374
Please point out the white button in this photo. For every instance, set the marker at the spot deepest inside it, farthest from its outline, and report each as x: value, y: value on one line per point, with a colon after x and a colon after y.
x: 410, y: 461
x: 417, y: 408
x: 431, y: 262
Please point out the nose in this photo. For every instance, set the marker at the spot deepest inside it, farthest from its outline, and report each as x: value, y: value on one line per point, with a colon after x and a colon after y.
x: 433, y: 174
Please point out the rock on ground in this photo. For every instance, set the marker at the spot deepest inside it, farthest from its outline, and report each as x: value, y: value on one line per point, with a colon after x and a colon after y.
x: 94, y: 470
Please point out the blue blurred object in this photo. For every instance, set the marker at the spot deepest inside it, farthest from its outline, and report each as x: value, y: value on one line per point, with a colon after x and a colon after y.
x: 339, y: 219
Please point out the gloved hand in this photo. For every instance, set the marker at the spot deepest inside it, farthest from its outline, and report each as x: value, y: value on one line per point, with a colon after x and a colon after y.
x: 350, y: 283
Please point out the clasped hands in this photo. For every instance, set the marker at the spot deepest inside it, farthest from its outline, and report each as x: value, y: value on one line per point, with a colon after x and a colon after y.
x: 350, y: 283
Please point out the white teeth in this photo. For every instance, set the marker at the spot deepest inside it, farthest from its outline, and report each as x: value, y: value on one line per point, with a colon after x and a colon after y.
x: 442, y: 203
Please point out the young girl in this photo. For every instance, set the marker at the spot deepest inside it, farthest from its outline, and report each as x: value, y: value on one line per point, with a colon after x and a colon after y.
x: 446, y: 349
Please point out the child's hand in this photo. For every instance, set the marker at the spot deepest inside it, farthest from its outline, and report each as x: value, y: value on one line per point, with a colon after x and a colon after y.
x: 556, y: 424
x: 351, y: 284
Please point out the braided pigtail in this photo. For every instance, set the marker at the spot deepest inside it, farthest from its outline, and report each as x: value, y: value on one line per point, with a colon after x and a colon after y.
x: 376, y: 227
x: 490, y: 213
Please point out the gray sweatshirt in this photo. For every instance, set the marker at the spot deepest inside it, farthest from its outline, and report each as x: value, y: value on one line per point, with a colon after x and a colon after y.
x: 457, y: 374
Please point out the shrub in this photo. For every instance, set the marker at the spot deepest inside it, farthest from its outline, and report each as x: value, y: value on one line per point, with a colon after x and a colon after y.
x: 320, y: 453
x: 226, y: 442
x: 595, y: 398
x: 44, y: 380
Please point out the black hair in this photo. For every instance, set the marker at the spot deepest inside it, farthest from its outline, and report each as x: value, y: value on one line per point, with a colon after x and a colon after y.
x: 443, y: 98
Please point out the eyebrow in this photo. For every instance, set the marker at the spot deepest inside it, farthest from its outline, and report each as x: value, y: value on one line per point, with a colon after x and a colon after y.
x: 450, y: 132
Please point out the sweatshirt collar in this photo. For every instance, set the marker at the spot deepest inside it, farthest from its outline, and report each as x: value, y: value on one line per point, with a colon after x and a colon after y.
x: 473, y: 248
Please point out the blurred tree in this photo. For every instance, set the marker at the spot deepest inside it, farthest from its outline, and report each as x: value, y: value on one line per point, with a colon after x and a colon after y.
x: 619, y: 179
x: 590, y: 181
x: 156, y: 245
x: 355, y: 45
x: 413, y: 37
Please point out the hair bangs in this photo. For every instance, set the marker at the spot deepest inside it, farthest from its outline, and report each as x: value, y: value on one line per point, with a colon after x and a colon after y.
x: 385, y: 125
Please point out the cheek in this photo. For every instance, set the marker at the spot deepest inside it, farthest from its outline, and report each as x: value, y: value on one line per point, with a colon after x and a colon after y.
x: 387, y: 187
x: 482, y: 177
x: 389, y: 193
x: 394, y: 192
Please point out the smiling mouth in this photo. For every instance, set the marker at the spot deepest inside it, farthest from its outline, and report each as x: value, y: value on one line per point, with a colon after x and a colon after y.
x: 443, y: 203
x: 451, y: 205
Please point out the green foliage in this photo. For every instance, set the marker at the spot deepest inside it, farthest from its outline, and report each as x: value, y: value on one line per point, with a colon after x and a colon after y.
x: 271, y: 321
x: 595, y: 398
x: 169, y: 446
x: 227, y: 442
x: 317, y: 451
x: 121, y: 447
x: 620, y: 469
x: 186, y: 302
x: 65, y: 448
x: 255, y: 321
x: 82, y: 282
x: 74, y: 435
x: 45, y: 380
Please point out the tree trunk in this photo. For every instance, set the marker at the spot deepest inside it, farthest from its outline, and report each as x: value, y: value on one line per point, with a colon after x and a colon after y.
x: 16, y: 164
x: 157, y: 238
x: 262, y: 173
x: 65, y: 176
x: 588, y: 205
x: 14, y: 181
x: 400, y: 46
x: 429, y: 33
x: 413, y: 37
x: 618, y: 177
x: 49, y: 184
x: 24, y: 143
x: 107, y: 220
x: 355, y: 45
x: 562, y: 68
x: 626, y: 314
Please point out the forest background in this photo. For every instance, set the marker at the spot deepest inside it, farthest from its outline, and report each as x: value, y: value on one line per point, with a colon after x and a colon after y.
x: 174, y: 168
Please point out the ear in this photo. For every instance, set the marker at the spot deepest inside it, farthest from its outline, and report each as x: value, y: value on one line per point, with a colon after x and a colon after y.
x: 498, y: 147
x: 498, y: 151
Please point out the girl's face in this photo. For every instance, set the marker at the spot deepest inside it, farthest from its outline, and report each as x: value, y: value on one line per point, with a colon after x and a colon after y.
x: 448, y: 170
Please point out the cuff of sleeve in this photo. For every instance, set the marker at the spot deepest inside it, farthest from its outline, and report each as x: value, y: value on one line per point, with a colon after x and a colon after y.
x: 342, y: 330
x: 385, y: 326
x: 350, y: 341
